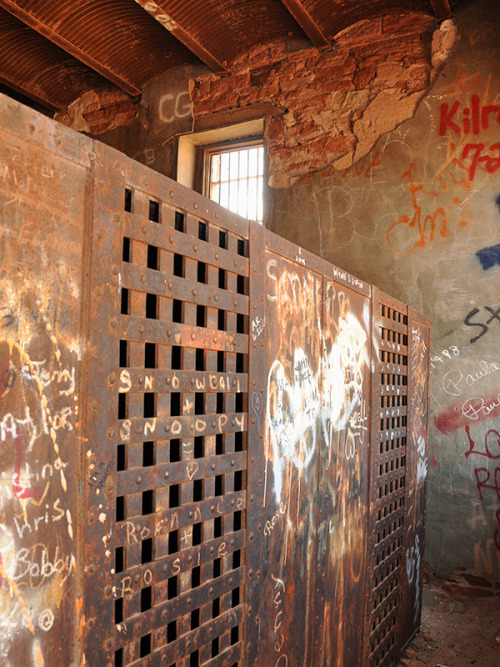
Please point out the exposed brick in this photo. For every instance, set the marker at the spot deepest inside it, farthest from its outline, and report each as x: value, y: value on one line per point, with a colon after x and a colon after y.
x: 363, y: 77
x: 368, y: 82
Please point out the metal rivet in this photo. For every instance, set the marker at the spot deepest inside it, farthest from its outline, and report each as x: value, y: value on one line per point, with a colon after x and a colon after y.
x: 253, y: 420
x: 136, y: 578
x: 141, y: 328
x: 138, y: 479
x: 164, y: 568
x: 112, y: 377
x: 169, y: 333
x: 113, y: 323
x: 194, y: 292
x: 111, y: 432
x: 190, y: 515
x: 91, y: 569
x: 212, y: 508
x: 233, y: 462
x: 171, y: 193
x: 167, y: 428
x: 191, y: 427
x: 137, y: 628
x: 108, y: 590
x: 143, y: 278
x: 166, y: 474
x: 214, y: 424
x: 195, y: 206
x: 195, y: 247
x: 171, y: 238
x: 115, y: 270
x: 210, y: 591
x: 216, y: 255
x: 109, y: 487
x: 193, y: 336
x: 140, y: 379
x: 212, y: 550
x: 192, y: 380
x: 216, y: 297
x: 213, y: 466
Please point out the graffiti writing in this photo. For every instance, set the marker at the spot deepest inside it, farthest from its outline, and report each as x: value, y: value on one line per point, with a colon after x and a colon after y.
x: 423, y: 226
x: 490, y: 161
x: 446, y: 354
x: 172, y: 107
x: 495, y: 315
x: 489, y: 257
x: 473, y: 119
x: 413, y: 558
x: 487, y: 453
x: 453, y: 381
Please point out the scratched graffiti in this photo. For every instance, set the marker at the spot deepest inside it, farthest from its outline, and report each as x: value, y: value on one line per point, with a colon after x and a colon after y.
x: 38, y: 409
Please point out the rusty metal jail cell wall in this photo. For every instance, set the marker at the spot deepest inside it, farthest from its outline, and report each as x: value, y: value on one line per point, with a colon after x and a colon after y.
x: 398, y: 472
x: 237, y: 458
x: 167, y: 501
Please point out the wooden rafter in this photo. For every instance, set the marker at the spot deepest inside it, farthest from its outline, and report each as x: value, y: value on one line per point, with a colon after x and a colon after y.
x: 181, y: 33
x: 441, y: 8
x: 307, y: 23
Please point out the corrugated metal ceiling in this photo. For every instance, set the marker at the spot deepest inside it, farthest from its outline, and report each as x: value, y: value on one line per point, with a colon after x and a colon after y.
x: 53, y: 51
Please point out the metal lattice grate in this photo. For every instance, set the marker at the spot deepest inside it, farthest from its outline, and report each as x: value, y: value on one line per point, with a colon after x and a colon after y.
x: 181, y: 456
x: 389, y: 419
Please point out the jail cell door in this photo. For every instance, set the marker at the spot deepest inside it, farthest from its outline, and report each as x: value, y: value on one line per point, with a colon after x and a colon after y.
x: 165, y: 505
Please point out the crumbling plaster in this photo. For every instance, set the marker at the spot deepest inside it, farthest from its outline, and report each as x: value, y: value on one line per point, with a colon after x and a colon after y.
x: 335, y: 104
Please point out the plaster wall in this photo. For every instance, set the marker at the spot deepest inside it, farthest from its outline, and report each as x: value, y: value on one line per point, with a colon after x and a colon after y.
x: 419, y: 216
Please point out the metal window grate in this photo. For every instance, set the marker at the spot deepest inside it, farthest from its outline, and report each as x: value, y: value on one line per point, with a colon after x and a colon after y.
x: 237, y: 179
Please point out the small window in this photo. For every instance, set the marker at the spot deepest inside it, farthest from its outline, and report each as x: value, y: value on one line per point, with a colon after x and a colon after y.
x: 235, y: 178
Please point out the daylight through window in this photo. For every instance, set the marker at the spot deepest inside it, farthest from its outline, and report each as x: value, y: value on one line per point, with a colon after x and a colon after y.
x: 237, y: 178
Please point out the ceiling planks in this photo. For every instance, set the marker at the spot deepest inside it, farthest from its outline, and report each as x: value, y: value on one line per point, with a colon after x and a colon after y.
x: 54, y: 51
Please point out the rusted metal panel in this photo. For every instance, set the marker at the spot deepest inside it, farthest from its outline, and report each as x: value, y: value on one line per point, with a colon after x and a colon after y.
x: 308, y: 478
x: 389, y: 416
x: 43, y: 232
x: 166, y: 496
x: 247, y: 424
x: 416, y: 474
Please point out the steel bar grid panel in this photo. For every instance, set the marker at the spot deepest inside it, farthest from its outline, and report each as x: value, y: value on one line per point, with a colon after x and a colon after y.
x: 388, y: 476
x: 167, y: 456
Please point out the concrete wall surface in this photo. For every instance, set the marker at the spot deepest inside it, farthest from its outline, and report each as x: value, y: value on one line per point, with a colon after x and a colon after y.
x: 419, y: 217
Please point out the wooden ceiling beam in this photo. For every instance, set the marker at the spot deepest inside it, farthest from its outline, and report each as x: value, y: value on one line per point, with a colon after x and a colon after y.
x: 307, y: 23
x: 441, y: 8
x: 87, y: 59
x: 181, y: 33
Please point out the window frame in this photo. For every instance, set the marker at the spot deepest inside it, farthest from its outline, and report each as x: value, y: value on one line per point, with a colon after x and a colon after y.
x: 202, y: 179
